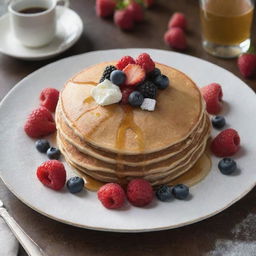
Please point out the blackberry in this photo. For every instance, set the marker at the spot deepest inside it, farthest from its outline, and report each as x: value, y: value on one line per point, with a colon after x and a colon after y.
x: 147, y: 89
x: 107, y: 72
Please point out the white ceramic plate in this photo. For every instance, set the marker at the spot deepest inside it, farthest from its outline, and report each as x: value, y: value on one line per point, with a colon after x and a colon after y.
x: 19, y: 158
x: 69, y: 30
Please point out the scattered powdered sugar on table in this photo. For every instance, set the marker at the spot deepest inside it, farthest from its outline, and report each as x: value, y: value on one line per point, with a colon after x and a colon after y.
x: 243, y: 242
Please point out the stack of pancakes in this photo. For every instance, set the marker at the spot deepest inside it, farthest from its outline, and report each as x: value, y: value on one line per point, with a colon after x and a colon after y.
x: 117, y: 143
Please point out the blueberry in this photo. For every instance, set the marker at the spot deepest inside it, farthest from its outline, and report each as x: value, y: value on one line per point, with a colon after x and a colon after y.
x: 75, y: 184
x: 164, y: 193
x: 42, y: 145
x: 135, y: 99
x: 117, y: 77
x: 227, y: 166
x: 180, y: 191
x: 161, y: 81
x: 53, y: 153
x: 153, y: 74
x: 218, y: 122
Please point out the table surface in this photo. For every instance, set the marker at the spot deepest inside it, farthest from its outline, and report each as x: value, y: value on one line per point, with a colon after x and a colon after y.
x: 232, y: 231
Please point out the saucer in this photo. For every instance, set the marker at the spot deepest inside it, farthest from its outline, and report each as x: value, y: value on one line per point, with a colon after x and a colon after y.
x: 69, y: 30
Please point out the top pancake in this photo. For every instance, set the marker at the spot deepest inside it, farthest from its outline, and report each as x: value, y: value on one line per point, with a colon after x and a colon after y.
x: 123, y: 129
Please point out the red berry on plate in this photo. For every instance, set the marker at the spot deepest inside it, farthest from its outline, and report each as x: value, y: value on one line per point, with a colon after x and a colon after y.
x: 105, y: 8
x: 178, y: 20
x: 226, y: 143
x: 126, y: 91
x: 52, y: 174
x: 124, y: 19
x: 111, y: 195
x: 212, y: 95
x: 135, y: 74
x: 139, y: 192
x: 137, y: 11
x: 247, y: 64
x: 49, y: 98
x: 145, y: 61
x: 39, y: 123
x: 124, y: 61
x: 175, y: 37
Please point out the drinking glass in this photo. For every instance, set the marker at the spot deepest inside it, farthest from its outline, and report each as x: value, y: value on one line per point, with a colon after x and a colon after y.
x: 226, y: 26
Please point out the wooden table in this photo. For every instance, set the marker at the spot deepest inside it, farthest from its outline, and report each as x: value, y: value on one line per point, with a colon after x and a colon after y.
x: 59, y: 239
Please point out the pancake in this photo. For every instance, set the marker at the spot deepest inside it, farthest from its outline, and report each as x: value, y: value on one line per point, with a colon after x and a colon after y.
x: 117, y: 143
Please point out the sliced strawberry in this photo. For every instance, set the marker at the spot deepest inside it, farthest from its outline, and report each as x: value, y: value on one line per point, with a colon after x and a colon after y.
x: 135, y: 74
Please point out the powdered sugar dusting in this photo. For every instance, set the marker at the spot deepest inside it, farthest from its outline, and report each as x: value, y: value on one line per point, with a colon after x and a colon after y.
x: 243, y: 242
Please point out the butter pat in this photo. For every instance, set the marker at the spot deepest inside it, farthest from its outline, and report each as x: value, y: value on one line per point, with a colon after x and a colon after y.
x: 148, y: 104
x: 106, y: 93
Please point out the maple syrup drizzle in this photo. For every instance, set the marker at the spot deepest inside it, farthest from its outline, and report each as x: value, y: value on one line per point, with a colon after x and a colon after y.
x: 86, y: 111
x: 88, y: 100
x: 128, y: 123
x: 84, y: 82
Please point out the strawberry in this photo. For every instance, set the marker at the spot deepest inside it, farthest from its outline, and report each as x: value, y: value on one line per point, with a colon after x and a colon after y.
x: 124, y: 61
x: 178, y: 20
x: 175, y: 37
x: 135, y: 74
x: 226, y: 143
x: 137, y: 11
x: 105, y: 8
x: 39, y: 123
x: 145, y: 61
x: 49, y: 98
x: 52, y: 174
x: 212, y: 95
x: 247, y: 64
x: 124, y: 19
x: 112, y: 195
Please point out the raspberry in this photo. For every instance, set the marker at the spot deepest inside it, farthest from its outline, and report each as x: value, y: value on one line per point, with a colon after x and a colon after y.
x: 126, y: 91
x: 226, y: 143
x: 178, y: 20
x: 148, y: 89
x: 247, y: 65
x: 139, y: 192
x: 134, y: 74
x: 105, y: 8
x: 49, y: 98
x: 175, y: 37
x: 124, y: 19
x: 137, y: 11
x: 145, y: 62
x: 212, y: 94
x: 111, y: 195
x: 107, y: 72
x: 52, y: 174
x: 39, y: 123
x: 123, y: 62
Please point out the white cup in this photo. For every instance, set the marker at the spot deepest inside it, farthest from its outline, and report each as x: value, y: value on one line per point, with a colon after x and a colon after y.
x: 34, y: 29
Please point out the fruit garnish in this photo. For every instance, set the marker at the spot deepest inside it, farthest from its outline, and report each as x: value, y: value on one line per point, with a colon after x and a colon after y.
x: 137, y: 11
x: 145, y: 61
x: 218, y: 122
x: 227, y: 166
x: 124, y: 19
x: 39, y: 123
x: 112, y: 196
x: 180, y: 191
x: 53, y: 153
x: 247, y: 64
x: 117, y: 77
x: 107, y: 72
x: 226, y: 143
x: 75, y: 184
x: 164, y: 193
x: 49, y: 98
x: 135, y: 98
x: 52, y: 174
x: 135, y: 74
x: 42, y: 145
x: 212, y: 94
x: 139, y: 192
x: 105, y: 8
x: 124, y: 61
x: 161, y: 81
x: 147, y: 89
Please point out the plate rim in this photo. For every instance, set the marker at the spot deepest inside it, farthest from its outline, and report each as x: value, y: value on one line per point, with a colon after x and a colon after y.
x: 126, y: 230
